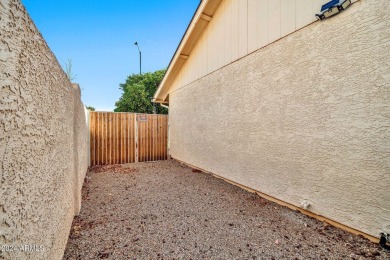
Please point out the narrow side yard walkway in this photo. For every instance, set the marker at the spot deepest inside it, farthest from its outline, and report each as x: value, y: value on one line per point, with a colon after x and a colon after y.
x: 165, y: 210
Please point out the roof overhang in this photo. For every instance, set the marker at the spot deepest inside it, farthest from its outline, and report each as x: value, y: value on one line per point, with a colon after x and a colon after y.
x: 203, y: 15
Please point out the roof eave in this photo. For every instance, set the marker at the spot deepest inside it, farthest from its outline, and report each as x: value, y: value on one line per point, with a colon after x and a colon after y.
x: 199, y: 22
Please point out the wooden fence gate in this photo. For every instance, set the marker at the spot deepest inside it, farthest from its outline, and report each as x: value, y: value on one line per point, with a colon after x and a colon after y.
x: 117, y: 138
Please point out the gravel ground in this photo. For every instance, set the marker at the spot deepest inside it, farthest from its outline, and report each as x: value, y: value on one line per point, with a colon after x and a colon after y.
x: 165, y: 210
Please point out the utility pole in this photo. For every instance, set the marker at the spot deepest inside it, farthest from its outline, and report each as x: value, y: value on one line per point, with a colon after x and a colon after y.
x: 140, y: 59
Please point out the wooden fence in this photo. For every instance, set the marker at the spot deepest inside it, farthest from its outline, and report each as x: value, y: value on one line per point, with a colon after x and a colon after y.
x: 117, y: 138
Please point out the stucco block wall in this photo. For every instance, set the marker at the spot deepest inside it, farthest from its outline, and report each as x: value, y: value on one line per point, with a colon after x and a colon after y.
x: 43, y: 141
x: 306, y: 118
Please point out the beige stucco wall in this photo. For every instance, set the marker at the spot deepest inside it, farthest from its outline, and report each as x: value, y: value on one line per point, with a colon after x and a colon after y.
x: 43, y: 141
x: 306, y: 118
x: 240, y: 27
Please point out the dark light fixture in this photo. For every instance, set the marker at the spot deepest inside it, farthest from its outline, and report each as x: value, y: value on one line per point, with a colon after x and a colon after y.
x: 384, y: 238
x: 333, y: 7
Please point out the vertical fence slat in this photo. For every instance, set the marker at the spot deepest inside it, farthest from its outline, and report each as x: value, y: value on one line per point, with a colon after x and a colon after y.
x: 103, y: 141
x: 148, y: 137
x: 161, y: 151
x: 118, y: 130
x: 154, y: 129
x: 92, y: 137
x: 106, y: 138
x: 99, y: 138
x: 130, y: 138
x: 165, y: 138
x: 117, y: 147
x: 159, y: 138
x: 124, y: 138
x: 153, y: 136
x: 96, y: 139
x: 117, y: 157
x: 127, y: 138
x: 123, y: 129
x: 120, y: 138
x: 144, y: 139
x: 103, y: 138
x: 136, y: 142
x: 114, y: 139
x: 162, y: 137
x: 144, y: 147
x: 141, y: 141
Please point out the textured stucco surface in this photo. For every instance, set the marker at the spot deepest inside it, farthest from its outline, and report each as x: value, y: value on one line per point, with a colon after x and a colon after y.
x: 305, y: 119
x: 43, y: 140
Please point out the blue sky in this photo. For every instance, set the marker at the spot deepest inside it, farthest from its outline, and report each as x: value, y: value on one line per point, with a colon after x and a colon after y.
x: 98, y: 36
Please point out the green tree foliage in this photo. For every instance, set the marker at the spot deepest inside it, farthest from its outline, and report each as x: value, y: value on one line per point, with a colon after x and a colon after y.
x: 138, y: 92
x: 90, y: 108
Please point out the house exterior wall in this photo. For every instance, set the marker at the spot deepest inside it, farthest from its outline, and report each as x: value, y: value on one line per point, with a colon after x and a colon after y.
x: 240, y: 27
x: 43, y: 142
x: 304, y: 119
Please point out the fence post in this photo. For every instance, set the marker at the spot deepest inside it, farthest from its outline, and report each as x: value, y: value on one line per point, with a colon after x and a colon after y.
x: 88, y: 125
x: 168, y: 139
x: 136, y: 136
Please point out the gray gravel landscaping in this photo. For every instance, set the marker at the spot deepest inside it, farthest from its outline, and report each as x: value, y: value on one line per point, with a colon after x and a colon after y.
x: 165, y: 210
